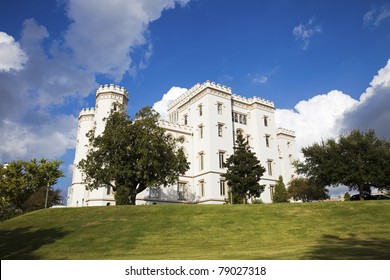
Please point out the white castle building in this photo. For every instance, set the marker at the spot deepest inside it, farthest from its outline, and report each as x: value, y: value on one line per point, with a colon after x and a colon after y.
x: 207, y: 118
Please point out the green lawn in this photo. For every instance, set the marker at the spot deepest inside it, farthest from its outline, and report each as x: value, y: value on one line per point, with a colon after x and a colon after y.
x: 334, y: 230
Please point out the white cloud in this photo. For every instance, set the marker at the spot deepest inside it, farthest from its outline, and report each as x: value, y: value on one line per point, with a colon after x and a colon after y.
x: 12, y: 57
x: 372, y: 111
x: 304, y: 32
x: 376, y: 16
x: 262, y: 79
x: 162, y: 106
x: 328, y: 115
x: 316, y: 118
x: 103, y: 33
x: 100, y: 40
x: 50, y: 139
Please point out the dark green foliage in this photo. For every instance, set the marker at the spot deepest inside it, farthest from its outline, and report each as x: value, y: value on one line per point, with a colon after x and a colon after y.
x: 358, y: 160
x: 347, y: 196
x: 280, y: 193
x: 37, y: 199
x: 243, y: 172
x: 23, y: 185
x: 303, y: 189
x: 132, y: 155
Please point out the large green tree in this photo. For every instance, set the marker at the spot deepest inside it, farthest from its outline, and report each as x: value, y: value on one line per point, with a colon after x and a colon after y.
x: 20, y: 181
x: 303, y: 189
x: 244, y: 172
x: 132, y: 155
x: 280, y: 192
x: 359, y: 160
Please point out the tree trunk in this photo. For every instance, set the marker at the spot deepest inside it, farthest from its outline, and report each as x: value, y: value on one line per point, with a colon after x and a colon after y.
x: 361, y: 192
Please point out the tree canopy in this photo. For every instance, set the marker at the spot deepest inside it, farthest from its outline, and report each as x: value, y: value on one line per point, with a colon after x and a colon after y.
x: 243, y: 172
x: 280, y: 193
x: 24, y: 184
x: 303, y: 189
x: 359, y: 160
x: 132, y: 155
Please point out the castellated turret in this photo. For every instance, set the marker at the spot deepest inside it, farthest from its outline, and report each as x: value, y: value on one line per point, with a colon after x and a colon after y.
x: 109, y: 98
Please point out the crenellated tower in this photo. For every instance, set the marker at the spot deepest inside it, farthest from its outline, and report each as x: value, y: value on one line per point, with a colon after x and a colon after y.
x: 109, y: 98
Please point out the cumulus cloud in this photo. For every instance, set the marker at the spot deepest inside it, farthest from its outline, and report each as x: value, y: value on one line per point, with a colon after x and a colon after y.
x: 161, y: 106
x: 102, y: 36
x: 316, y: 118
x: 328, y: 115
x: 49, y: 139
x: 377, y: 15
x: 47, y: 74
x: 304, y: 32
x: 12, y: 57
x: 372, y: 111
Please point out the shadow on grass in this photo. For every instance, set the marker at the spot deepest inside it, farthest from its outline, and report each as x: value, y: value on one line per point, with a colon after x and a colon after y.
x: 332, y: 247
x: 21, y: 243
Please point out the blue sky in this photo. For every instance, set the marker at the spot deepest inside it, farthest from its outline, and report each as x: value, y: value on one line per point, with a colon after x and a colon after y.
x: 325, y: 64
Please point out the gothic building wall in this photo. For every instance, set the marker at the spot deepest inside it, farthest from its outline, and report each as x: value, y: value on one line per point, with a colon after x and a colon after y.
x: 207, y: 118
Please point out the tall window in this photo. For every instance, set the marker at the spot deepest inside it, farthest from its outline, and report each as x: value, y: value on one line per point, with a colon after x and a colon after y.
x: 201, y: 188
x: 200, y: 131
x: 239, y: 118
x: 221, y: 157
x: 200, y: 107
x: 220, y: 129
x: 267, y: 140
x: 222, y: 189
x: 182, y: 191
x: 185, y: 119
x: 219, y: 108
x: 269, y: 167
x: 154, y: 192
x: 265, y: 120
x: 201, y: 161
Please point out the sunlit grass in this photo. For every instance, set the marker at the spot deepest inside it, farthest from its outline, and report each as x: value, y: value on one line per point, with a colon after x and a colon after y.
x: 337, y: 230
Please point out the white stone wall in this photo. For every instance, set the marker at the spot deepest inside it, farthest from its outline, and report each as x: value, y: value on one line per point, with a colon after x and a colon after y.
x: 206, y: 134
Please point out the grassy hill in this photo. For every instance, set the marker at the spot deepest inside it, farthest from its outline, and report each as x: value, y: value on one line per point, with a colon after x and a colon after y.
x: 338, y: 230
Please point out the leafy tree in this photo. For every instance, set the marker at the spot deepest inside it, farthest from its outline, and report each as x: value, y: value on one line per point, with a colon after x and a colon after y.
x: 347, y: 196
x: 357, y: 160
x: 132, y: 155
x: 303, y: 189
x: 37, y: 199
x: 280, y: 193
x: 243, y: 172
x: 20, y: 180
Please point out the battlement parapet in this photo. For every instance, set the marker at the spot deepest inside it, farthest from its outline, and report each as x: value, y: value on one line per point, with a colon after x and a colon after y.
x: 174, y: 126
x: 253, y: 100
x: 112, y: 88
x: 285, y: 131
x: 87, y: 112
x: 185, y: 97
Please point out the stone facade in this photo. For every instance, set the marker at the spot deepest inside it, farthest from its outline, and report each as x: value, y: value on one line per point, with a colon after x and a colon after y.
x: 207, y: 117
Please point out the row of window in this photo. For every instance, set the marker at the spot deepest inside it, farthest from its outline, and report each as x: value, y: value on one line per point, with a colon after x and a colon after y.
x: 182, y: 190
x: 221, y: 161
x: 236, y: 117
x: 219, y: 131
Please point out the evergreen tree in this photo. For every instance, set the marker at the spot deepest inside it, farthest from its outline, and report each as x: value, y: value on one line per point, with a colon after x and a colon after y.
x: 243, y: 172
x: 347, y: 196
x: 280, y: 193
